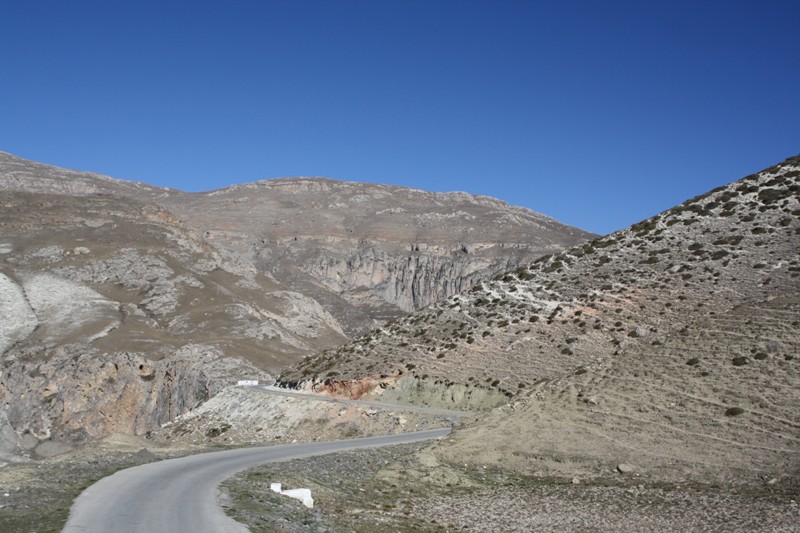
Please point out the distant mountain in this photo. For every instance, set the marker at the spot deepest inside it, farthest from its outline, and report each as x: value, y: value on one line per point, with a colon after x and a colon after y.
x: 365, y: 252
x: 672, y: 345
x: 111, y: 291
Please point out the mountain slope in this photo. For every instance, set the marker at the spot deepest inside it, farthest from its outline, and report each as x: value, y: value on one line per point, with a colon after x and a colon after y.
x: 578, y: 307
x: 366, y: 253
x: 717, y: 400
x: 650, y: 334
x: 117, y: 318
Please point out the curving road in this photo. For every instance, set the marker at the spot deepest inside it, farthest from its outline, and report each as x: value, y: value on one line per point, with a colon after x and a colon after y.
x: 180, y: 495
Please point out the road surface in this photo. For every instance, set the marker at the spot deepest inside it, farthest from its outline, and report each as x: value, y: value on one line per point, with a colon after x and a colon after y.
x: 364, y: 403
x: 180, y: 495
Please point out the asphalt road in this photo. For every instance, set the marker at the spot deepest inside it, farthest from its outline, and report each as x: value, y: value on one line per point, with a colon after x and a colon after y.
x: 364, y: 403
x: 180, y: 495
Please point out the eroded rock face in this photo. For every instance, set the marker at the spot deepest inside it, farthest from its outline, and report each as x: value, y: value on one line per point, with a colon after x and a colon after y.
x: 76, y: 393
x: 19, y: 320
x: 408, y: 282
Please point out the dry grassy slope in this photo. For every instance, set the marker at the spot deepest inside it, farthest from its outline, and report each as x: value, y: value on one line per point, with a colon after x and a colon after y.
x: 573, y: 311
x: 717, y: 400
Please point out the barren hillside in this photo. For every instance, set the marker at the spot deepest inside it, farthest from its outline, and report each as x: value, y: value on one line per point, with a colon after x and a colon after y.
x: 579, y: 307
x: 678, y: 331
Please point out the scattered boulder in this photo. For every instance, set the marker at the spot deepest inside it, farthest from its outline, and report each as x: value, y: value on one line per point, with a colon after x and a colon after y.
x: 638, y: 332
x: 624, y: 468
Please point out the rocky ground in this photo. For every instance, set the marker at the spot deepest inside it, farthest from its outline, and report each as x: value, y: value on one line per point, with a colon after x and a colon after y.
x: 397, y: 489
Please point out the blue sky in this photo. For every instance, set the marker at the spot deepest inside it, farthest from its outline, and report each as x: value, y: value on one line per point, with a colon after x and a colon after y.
x: 598, y: 113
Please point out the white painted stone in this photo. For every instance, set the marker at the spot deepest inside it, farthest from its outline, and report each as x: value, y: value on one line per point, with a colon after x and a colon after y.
x: 304, y: 495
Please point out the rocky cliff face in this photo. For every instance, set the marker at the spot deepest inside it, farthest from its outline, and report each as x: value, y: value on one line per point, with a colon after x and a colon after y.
x: 74, y: 393
x: 378, y: 251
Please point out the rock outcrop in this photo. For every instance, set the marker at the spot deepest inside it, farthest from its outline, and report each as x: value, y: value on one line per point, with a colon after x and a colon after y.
x: 75, y: 393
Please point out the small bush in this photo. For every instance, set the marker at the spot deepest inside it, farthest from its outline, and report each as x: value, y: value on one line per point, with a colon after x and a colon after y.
x: 719, y: 254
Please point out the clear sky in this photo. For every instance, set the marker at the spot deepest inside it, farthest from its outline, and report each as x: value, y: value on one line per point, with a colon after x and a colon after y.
x: 599, y: 113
